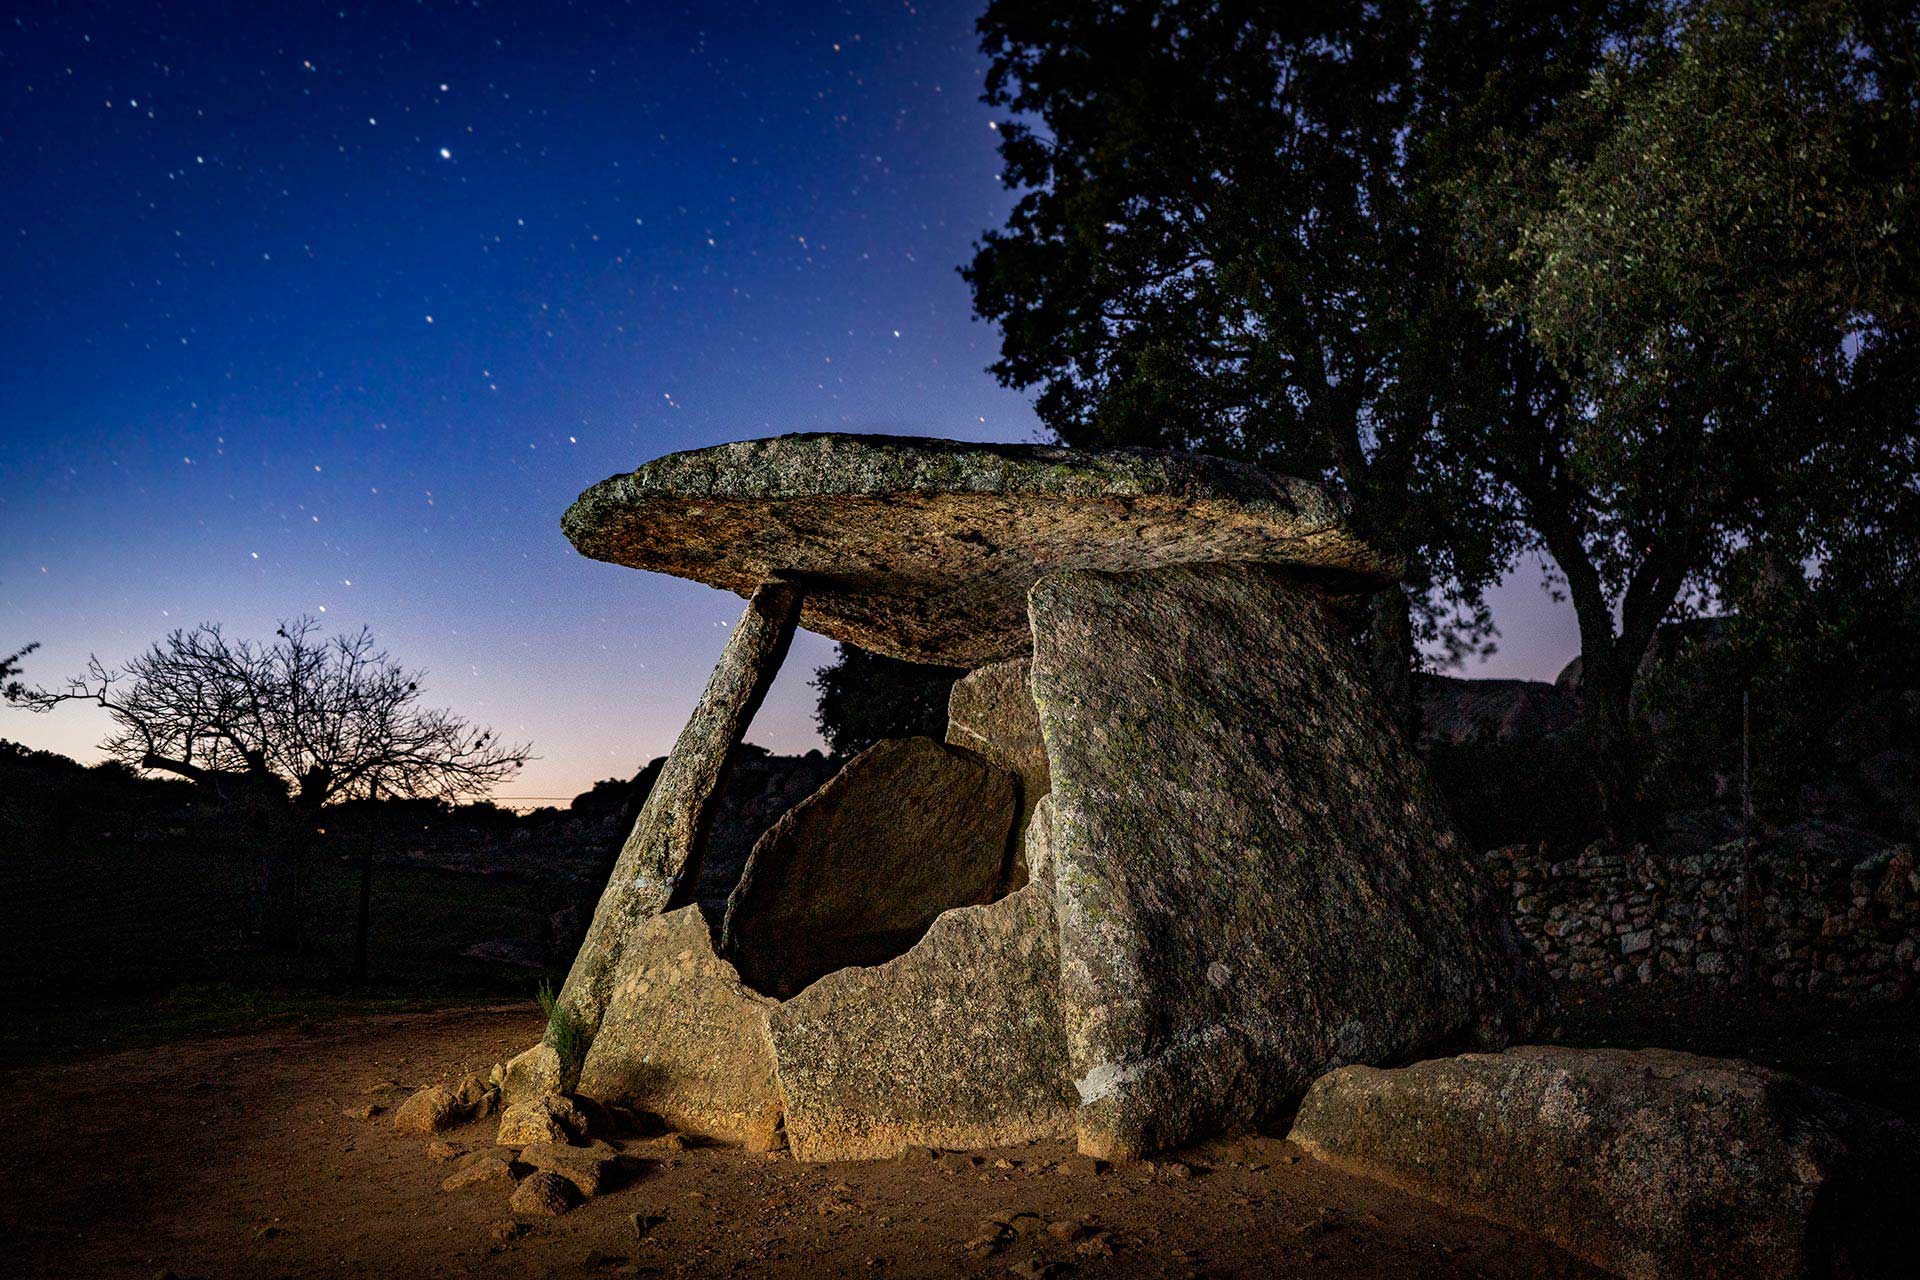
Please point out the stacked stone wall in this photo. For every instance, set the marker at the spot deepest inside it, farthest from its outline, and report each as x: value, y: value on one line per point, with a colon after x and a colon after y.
x: 1819, y: 920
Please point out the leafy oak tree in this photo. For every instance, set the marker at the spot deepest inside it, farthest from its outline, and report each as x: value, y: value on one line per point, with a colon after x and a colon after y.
x: 864, y: 697
x: 1231, y: 237
x: 1713, y: 246
x: 281, y: 730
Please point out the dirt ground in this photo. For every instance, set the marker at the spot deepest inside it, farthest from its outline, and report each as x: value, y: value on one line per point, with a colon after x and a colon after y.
x: 241, y: 1156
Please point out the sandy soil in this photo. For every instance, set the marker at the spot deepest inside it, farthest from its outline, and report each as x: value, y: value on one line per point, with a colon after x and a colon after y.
x: 241, y: 1157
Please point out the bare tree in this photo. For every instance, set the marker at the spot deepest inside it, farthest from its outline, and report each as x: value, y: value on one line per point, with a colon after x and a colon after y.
x: 281, y: 730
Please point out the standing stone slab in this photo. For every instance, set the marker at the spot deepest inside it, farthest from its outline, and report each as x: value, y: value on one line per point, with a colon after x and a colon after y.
x: 1654, y: 1164
x: 957, y: 1043
x: 1254, y: 884
x: 991, y: 711
x: 682, y: 1037
x: 662, y: 852
x: 856, y: 872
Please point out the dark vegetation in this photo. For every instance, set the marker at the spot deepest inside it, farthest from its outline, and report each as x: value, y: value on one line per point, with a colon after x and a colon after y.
x: 865, y: 697
x: 1630, y: 285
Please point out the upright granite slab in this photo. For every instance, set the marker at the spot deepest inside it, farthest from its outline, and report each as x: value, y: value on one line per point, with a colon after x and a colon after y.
x: 855, y: 873
x: 661, y: 856
x: 683, y: 1036
x: 957, y: 1043
x: 1254, y: 883
x: 991, y: 711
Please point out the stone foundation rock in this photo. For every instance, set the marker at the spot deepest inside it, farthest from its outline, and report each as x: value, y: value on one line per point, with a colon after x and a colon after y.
x: 991, y: 711
x: 1654, y: 1164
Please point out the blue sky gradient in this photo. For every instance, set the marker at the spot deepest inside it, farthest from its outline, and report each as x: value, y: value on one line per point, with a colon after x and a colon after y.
x: 336, y: 307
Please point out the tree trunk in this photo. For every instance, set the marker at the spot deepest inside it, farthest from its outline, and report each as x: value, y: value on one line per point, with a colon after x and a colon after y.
x: 1391, y: 656
x: 272, y: 827
x: 365, y: 916
x: 1606, y: 696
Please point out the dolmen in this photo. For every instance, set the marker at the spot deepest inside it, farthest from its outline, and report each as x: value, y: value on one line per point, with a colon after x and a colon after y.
x: 1172, y: 864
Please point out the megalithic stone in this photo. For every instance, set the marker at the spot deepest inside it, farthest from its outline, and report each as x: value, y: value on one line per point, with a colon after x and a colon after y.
x: 663, y: 851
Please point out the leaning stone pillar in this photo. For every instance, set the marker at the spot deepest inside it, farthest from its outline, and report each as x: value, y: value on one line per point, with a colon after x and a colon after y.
x: 663, y: 851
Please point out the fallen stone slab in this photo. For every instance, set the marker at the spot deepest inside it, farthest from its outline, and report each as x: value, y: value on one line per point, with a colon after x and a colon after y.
x: 1654, y: 1164
x: 957, y: 1043
x: 855, y: 873
x: 481, y: 1173
x: 924, y: 549
x: 1254, y: 880
x: 659, y: 864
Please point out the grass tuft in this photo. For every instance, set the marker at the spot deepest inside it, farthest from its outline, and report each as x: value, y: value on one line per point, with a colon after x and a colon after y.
x: 565, y: 1031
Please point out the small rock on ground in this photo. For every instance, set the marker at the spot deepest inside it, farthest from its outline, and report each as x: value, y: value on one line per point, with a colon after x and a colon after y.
x: 547, y: 1118
x: 543, y: 1194
x: 429, y: 1111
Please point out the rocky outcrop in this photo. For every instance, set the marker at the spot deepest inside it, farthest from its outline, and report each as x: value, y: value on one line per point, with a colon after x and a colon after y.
x: 924, y: 549
x: 1253, y: 882
x: 855, y: 873
x: 683, y: 1036
x: 1653, y: 1164
x: 957, y: 1043
x: 991, y: 711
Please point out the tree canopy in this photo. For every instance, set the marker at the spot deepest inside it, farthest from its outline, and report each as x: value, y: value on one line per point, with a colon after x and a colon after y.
x: 1626, y: 283
x: 1231, y: 238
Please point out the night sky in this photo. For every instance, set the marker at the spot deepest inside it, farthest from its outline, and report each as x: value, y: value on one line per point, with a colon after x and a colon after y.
x: 336, y: 308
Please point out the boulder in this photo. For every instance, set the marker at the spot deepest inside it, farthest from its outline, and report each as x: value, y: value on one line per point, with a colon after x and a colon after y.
x: 1254, y: 880
x: 957, y: 1043
x: 855, y: 873
x: 1653, y: 1164
x: 590, y: 1169
x: 474, y: 1096
x: 532, y: 1074
x: 548, y: 1118
x: 924, y: 549
x: 543, y: 1194
x: 682, y: 1036
x: 431, y: 1110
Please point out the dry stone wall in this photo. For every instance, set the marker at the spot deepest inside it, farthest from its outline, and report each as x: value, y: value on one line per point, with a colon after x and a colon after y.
x: 1830, y: 912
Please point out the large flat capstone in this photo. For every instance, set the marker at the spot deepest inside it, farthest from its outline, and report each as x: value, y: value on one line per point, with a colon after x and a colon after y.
x: 1254, y: 884
x: 1653, y: 1164
x: 924, y: 549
